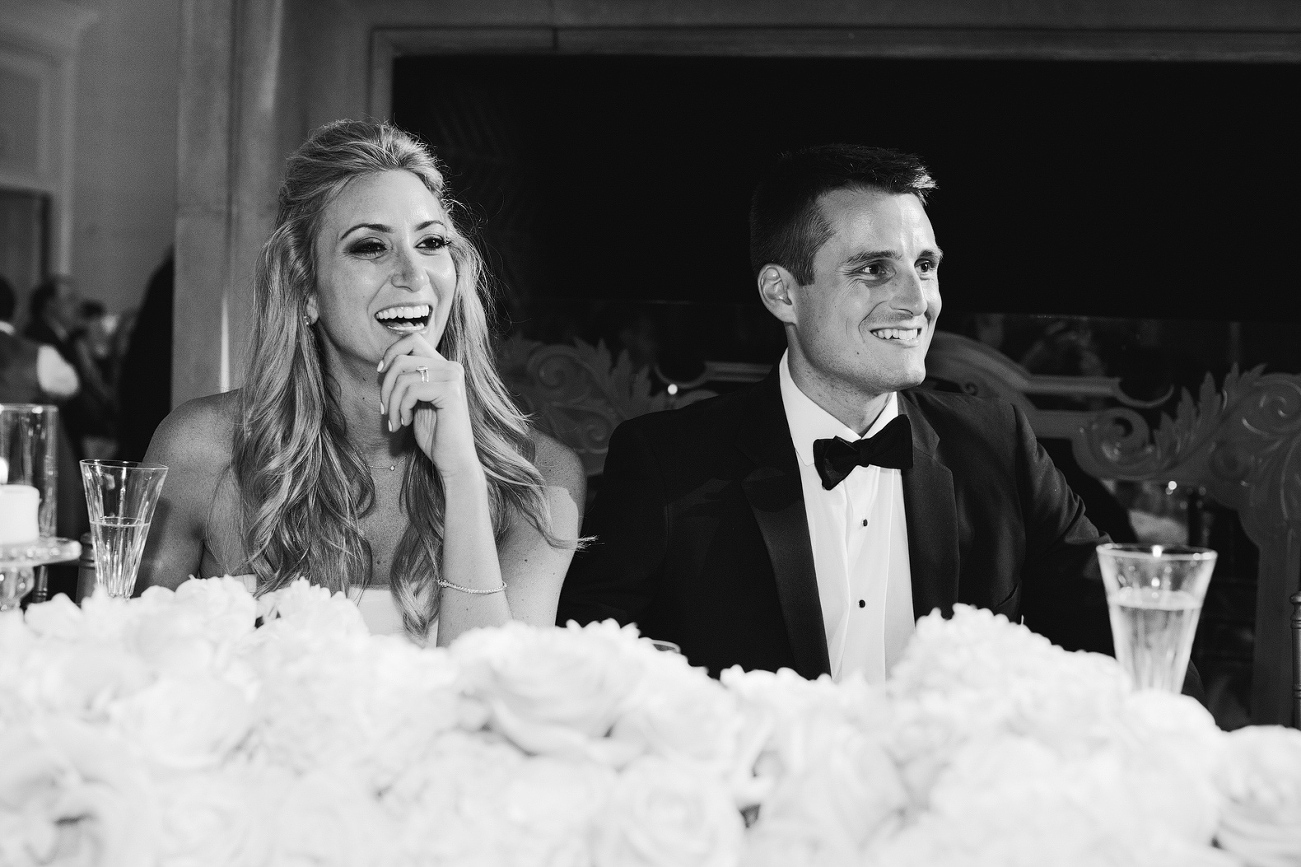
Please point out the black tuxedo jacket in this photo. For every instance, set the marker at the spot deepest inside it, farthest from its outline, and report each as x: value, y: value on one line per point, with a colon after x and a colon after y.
x: 701, y: 537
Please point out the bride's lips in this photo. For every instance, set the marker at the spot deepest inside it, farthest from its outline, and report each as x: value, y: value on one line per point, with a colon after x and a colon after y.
x: 405, y: 318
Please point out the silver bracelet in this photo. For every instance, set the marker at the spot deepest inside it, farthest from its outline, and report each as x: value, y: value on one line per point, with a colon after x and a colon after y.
x: 471, y: 590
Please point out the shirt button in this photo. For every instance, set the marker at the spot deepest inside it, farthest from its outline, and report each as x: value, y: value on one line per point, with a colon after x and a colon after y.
x: 862, y: 603
x: 865, y: 522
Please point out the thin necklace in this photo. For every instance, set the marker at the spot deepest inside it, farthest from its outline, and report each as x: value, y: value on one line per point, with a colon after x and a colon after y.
x: 392, y: 468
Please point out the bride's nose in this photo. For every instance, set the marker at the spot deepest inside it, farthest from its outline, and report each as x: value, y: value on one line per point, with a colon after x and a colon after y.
x: 408, y: 270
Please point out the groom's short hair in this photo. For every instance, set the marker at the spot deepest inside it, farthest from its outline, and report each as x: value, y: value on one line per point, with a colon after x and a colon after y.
x: 786, y: 225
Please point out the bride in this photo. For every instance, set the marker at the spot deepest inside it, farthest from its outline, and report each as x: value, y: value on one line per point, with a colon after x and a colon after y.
x: 373, y: 448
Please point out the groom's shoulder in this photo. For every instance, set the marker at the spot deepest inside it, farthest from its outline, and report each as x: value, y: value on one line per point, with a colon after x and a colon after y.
x: 700, y: 418
x: 951, y: 412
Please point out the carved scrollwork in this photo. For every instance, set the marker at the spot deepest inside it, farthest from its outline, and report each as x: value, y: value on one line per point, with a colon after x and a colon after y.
x: 579, y: 394
x: 1241, y: 441
x: 1119, y: 439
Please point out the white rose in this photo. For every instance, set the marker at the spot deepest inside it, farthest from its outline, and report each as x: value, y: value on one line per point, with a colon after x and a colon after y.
x: 58, y: 618
x: 170, y: 641
x: 185, y: 723
x: 227, y: 611
x: 330, y: 816
x: 1171, y: 749
x: 449, y: 807
x: 107, y: 618
x: 219, y: 818
x: 796, y: 844
x: 82, y: 679
x: 843, y: 782
x: 309, y: 608
x: 17, y: 642
x: 553, y: 691
x: 409, y: 698
x: 68, y: 791
x: 311, y: 705
x: 1261, y: 782
x: 777, y: 710
x: 679, y: 712
x: 668, y: 813
x: 553, y: 805
x: 377, y: 703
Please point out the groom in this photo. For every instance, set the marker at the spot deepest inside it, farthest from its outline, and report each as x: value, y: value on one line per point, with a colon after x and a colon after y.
x: 807, y: 521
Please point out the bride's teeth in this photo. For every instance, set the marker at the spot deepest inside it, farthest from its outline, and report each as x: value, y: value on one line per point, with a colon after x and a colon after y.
x: 416, y: 311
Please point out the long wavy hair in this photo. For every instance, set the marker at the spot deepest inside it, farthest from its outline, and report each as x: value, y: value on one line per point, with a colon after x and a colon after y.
x: 302, y: 485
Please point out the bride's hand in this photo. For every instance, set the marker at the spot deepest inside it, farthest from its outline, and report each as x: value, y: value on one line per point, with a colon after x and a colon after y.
x: 422, y: 387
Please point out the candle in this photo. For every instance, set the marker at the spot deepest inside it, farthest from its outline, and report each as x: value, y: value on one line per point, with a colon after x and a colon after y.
x: 18, y: 507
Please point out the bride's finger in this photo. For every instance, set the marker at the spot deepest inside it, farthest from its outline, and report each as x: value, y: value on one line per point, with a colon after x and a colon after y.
x: 399, y: 368
x: 438, y: 384
x: 411, y: 344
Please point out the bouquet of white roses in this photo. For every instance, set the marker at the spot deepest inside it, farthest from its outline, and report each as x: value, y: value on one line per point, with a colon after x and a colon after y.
x: 168, y: 730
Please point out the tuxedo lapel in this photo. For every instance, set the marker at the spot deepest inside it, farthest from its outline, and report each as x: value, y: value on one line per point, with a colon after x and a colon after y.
x: 777, y: 499
x: 932, y: 516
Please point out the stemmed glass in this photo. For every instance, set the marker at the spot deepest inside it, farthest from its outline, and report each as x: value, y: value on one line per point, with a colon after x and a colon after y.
x: 121, y: 497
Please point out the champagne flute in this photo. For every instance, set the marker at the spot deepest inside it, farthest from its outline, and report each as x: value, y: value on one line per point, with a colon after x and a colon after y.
x: 121, y: 497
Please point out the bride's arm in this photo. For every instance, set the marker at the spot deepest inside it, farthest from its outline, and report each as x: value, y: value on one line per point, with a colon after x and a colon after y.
x: 534, y: 571
x: 193, y: 443
x: 531, y: 568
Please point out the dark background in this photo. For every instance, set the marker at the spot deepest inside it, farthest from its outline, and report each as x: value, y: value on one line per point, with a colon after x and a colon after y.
x: 1119, y: 189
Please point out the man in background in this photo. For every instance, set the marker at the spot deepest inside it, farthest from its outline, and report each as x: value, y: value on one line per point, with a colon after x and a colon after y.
x: 30, y: 371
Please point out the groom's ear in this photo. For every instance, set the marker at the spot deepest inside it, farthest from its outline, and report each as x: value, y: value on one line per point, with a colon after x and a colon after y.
x: 775, y: 287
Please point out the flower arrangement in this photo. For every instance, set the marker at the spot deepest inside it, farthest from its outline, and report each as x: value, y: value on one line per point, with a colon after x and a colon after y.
x: 168, y: 730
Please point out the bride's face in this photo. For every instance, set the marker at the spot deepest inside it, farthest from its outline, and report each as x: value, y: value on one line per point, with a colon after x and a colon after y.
x: 383, y: 266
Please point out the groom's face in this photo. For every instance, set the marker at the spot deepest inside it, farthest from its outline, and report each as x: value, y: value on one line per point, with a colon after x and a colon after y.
x: 864, y: 323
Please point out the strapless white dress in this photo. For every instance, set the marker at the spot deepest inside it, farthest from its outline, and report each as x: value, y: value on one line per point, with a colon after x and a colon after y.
x: 378, y: 609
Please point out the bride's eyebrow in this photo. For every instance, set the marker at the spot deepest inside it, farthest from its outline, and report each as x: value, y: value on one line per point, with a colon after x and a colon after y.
x: 380, y: 227
x: 377, y: 227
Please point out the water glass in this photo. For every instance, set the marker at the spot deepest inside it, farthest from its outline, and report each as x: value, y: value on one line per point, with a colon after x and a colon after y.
x: 121, y: 497
x: 29, y: 450
x: 1154, y: 595
x: 29, y: 455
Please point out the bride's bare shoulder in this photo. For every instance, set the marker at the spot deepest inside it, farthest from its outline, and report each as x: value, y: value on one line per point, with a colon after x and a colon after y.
x: 198, y: 432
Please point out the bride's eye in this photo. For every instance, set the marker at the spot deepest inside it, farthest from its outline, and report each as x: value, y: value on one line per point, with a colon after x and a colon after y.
x: 366, y: 247
x: 433, y: 243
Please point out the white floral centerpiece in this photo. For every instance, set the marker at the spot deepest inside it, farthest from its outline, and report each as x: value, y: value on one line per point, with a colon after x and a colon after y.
x: 168, y: 730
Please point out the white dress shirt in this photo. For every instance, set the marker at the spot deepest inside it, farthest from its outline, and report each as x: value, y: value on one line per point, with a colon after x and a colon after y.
x: 860, y: 544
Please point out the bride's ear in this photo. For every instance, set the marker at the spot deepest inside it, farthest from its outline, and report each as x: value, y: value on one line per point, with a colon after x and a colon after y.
x: 313, y: 310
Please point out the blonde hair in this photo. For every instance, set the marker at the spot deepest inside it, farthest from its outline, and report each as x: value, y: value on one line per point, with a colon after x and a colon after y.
x: 302, y: 485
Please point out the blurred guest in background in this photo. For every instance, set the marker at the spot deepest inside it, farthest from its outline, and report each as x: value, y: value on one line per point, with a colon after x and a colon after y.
x: 30, y: 372
x: 54, y: 314
x: 56, y: 320
x: 93, y: 413
x: 144, y: 383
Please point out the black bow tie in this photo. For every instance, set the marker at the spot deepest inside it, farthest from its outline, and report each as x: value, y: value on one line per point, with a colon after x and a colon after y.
x: 892, y: 447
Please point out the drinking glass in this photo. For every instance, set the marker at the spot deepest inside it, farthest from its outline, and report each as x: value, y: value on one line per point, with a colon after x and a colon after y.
x: 120, y: 496
x: 1154, y: 595
x: 29, y: 448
